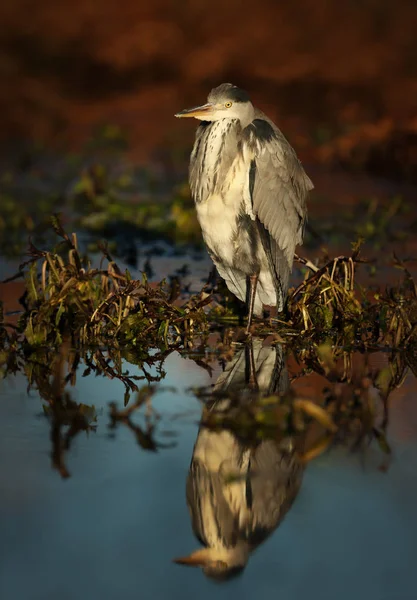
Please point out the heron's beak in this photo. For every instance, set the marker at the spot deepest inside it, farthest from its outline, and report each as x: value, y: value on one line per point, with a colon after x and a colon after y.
x: 199, y: 112
x: 197, y: 559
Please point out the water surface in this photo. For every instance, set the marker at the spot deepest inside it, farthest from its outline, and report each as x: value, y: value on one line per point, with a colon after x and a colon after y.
x: 113, y: 528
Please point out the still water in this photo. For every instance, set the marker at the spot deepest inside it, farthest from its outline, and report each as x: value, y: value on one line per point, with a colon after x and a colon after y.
x: 113, y: 527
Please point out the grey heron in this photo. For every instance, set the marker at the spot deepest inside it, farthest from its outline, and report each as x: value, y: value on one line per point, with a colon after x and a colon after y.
x: 238, y: 489
x: 250, y: 192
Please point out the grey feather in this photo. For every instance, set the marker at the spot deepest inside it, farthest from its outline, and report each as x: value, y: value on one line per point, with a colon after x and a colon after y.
x: 236, y: 282
x: 280, y: 186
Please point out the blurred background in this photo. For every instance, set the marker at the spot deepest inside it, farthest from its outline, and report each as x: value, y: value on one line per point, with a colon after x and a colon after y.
x: 340, y: 78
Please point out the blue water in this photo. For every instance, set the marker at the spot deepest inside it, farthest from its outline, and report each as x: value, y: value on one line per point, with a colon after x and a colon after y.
x: 112, y: 529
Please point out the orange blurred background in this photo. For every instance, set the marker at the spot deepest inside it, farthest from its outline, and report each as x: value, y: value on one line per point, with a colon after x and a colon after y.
x: 336, y: 76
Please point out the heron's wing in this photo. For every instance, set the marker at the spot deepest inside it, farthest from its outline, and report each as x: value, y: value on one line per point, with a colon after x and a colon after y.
x: 235, y: 280
x: 277, y: 190
x: 278, y: 264
x: 275, y: 479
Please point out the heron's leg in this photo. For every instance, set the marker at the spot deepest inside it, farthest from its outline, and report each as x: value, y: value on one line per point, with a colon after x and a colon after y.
x: 253, y: 281
x: 250, y: 368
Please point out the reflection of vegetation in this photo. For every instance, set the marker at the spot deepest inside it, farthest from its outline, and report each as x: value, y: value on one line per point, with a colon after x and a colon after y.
x: 51, y: 373
x: 67, y: 418
x: 144, y: 437
x: 349, y: 408
x: 349, y: 405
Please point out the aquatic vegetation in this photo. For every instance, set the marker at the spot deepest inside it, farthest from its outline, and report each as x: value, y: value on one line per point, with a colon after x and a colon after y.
x: 98, y: 306
x: 330, y: 305
x: 77, y: 318
x: 66, y: 298
x: 64, y: 294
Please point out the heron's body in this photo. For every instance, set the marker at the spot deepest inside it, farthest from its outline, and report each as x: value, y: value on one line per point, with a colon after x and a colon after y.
x: 222, y: 196
x: 250, y: 192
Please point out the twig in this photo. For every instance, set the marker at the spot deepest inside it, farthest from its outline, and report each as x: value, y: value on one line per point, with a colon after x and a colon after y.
x: 306, y: 262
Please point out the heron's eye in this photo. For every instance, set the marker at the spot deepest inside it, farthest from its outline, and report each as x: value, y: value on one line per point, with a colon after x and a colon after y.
x: 228, y: 104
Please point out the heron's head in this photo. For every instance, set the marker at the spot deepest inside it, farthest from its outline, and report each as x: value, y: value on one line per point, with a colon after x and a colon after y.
x: 218, y: 563
x: 224, y: 102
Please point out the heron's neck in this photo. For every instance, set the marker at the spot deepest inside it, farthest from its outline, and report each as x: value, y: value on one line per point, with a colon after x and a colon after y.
x: 247, y: 117
x: 221, y: 135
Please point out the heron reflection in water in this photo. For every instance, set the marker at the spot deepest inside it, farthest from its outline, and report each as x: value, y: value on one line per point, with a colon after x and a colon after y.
x: 238, y: 490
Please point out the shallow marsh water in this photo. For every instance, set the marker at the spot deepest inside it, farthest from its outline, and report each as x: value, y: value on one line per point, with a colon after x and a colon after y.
x: 114, y: 526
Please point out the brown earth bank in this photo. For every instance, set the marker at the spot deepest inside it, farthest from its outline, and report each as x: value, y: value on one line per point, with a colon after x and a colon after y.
x: 339, y: 77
